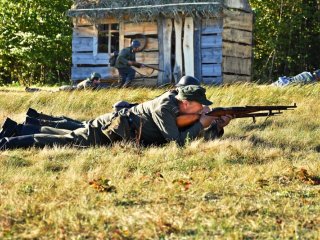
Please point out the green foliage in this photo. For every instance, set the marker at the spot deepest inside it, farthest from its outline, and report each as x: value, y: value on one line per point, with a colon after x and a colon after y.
x: 287, y: 37
x: 35, y: 41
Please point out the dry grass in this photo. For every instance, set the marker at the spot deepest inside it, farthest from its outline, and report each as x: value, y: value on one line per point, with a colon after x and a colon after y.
x: 248, y: 185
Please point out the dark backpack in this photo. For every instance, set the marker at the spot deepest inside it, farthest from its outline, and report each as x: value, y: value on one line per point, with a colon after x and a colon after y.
x: 113, y: 58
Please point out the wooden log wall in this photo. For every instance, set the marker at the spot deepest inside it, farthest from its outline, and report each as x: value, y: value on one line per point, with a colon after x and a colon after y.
x: 149, y: 55
x: 211, y: 51
x: 237, y: 45
x: 85, y: 56
x: 216, y: 50
x: 86, y: 59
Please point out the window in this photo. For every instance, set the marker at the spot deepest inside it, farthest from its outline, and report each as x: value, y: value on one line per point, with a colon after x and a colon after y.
x: 108, y: 38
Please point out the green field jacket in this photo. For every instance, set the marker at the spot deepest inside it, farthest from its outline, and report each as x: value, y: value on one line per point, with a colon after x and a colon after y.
x: 157, y: 120
x: 125, y: 55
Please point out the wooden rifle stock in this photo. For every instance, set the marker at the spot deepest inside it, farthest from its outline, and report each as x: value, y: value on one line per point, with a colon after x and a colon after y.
x: 237, y: 112
x: 149, y: 66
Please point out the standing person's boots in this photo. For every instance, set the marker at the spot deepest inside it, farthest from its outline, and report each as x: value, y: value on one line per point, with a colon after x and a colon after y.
x: 8, y: 128
x: 17, y: 142
x: 127, y: 83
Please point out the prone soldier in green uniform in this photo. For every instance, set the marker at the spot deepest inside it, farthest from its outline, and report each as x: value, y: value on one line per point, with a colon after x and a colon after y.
x: 149, y: 123
x: 91, y: 83
x: 35, y: 118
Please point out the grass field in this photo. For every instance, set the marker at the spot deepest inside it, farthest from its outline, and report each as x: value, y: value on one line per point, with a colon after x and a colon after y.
x: 259, y: 181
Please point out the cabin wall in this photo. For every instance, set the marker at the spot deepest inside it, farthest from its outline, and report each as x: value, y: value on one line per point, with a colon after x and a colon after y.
x: 215, y: 50
x: 86, y: 59
x: 237, y: 46
x: 211, y: 51
x: 147, y: 34
x: 85, y: 56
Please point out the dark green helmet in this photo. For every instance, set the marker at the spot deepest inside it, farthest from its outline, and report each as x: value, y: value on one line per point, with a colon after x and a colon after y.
x: 316, y: 74
x: 95, y: 75
x: 187, y: 80
x: 135, y: 43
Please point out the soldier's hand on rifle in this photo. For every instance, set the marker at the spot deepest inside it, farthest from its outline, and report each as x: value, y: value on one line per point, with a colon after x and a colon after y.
x: 223, y: 121
x: 206, y: 120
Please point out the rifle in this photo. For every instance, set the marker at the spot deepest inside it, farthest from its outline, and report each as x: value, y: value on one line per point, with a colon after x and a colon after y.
x: 137, y: 64
x: 237, y: 112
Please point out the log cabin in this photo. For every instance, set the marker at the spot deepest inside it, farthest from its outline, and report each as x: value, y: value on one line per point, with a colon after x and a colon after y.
x: 210, y: 40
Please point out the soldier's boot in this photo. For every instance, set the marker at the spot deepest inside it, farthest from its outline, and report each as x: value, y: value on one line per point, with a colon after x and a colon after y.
x: 17, y: 142
x: 8, y: 128
x: 67, y: 123
x: 23, y: 130
x: 35, y: 114
x: 127, y: 83
x: 32, y: 121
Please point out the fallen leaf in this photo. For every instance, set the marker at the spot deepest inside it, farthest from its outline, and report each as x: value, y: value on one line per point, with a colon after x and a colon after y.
x: 303, y: 175
x: 103, y: 185
x: 184, y: 183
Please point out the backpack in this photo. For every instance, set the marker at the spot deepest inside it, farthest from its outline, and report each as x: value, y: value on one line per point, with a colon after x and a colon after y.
x: 113, y: 59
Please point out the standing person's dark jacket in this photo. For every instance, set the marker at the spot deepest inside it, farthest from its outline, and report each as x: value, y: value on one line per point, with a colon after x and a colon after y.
x: 126, y: 59
x: 125, y: 55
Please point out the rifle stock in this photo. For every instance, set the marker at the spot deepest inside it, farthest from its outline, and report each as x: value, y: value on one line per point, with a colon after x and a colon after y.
x: 237, y: 112
x: 152, y: 67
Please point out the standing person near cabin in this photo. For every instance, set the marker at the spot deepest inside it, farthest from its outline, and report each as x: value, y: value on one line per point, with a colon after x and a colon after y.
x: 126, y: 59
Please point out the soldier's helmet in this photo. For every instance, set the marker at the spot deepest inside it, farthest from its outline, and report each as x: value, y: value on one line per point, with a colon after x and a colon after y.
x: 187, y: 80
x: 316, y: 74
x: 95, y: 76
x: 135, y: 43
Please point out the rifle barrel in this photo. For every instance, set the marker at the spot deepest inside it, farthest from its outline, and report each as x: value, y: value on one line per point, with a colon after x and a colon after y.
x: 247, y: 109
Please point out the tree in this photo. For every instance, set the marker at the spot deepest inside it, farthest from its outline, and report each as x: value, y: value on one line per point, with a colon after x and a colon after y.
x: 35, y: 41
x: 287, y: 37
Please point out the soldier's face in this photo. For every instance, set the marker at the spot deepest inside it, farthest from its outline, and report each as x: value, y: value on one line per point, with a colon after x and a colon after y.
x: 135, y: 49
x: 188, y: 107
x: 96, y: 81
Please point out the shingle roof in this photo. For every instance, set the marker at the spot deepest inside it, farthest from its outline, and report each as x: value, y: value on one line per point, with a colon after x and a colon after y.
x: 139, y: 10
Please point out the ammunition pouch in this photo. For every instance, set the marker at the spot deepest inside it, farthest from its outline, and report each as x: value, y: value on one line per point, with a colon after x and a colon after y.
x: 120, y: 127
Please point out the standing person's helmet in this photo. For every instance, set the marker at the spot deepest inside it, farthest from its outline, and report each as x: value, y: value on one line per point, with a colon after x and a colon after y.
x: 135, y: 43
x: 95, y: 75
x: 187, y: 80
